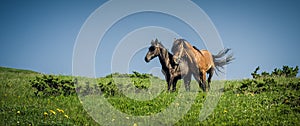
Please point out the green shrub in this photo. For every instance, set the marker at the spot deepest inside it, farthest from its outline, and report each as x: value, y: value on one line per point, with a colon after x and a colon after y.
x: 266, y: 81
x: 134, y: 75
x: 139, y: 75
x: 49, y: 85
x: 286, y: 71
x: 257, y: 86
x: 280, y: 81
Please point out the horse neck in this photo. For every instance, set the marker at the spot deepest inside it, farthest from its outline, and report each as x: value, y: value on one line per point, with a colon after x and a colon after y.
x: 165, y: 58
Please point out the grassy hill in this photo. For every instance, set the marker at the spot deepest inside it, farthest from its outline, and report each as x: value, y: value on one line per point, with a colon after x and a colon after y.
x: 31, y: 98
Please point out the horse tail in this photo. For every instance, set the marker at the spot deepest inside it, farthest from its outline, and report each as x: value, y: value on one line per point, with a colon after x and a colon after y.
x: 222, y: 53
x: 220, y: 63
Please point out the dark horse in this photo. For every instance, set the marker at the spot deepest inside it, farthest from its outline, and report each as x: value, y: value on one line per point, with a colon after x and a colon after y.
x: 173, y: 72
x: 200, y: 62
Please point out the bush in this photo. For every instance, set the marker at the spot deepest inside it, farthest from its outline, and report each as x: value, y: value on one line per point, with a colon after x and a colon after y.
x: 134, y: 75
x: 258, y: 86
x: 286, y: 71
x: 139, y: 75
x: 280, y: 81
x: 266, y: 81
x: 49, y: 85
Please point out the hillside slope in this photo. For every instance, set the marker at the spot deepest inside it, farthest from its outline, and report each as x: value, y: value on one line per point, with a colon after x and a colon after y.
x: 261, y: 101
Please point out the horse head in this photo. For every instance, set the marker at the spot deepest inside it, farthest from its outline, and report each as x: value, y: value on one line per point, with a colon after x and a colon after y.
x: 153, y: 50
x: 177, y: 50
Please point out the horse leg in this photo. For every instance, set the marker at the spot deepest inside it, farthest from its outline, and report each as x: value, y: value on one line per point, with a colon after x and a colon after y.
x: 204, y: 81
x: 211, y: 73
x: 171, y: 79
x: 164, y: 73
x: 187, y: 81
x: 198, y: 79
x: 168, y: 78
x: 175, y: 79
x: 203, y: 78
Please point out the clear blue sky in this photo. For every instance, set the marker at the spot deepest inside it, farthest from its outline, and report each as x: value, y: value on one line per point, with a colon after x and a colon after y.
x: 40, y: 35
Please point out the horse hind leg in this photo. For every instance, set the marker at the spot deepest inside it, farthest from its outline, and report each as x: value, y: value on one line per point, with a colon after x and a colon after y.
x: 199, y: 80
x: 203, y: 78
x: 211, y: 73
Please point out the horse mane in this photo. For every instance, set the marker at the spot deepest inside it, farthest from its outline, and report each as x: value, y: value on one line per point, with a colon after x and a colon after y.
x: 186, y: 42
x: 169, y: 55
x: 162, y: 45
x: 156, y: 42
x: 197, y: 50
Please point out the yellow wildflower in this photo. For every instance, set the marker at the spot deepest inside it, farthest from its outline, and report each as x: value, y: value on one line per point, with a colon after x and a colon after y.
x: 225, y: 111
x: 134, y: 124
x: 18, y: 112
x: 238, y: 95
x: 286, y: 101
x: 53, y: 112
x: 60, y: 110
x: 66, y: 116
x: 45, y: 114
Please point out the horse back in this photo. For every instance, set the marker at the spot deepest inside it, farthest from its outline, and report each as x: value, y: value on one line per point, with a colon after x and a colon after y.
x: 204, y: 59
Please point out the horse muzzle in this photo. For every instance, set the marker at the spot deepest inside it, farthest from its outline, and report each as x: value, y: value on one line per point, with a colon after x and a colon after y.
x: 147, y: 60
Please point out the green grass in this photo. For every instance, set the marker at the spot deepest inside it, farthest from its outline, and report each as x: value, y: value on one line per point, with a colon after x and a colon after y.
x: 19, y: 105
x: 277, y: 102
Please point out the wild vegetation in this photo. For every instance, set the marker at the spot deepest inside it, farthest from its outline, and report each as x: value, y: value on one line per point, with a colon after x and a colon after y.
x: 31, y: 98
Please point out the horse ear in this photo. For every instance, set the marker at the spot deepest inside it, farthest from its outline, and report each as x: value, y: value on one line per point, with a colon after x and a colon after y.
x: 156, y: 42
x: 152, y: 42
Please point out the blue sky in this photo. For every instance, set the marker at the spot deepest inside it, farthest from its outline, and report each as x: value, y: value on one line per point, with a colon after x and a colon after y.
x: 40, y: 35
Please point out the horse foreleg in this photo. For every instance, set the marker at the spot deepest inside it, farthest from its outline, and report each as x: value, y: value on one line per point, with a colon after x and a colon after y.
x: 170, y: 81
x: 167, y: 77
x: 187, y: 81
x: 169, y: 85
x: 164, y: 73
x: 174, y: 82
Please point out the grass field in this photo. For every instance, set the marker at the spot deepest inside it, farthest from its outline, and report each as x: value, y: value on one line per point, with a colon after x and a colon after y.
x: 261, y: 101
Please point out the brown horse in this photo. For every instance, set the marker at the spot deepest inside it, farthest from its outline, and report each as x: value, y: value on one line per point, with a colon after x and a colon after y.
x: 200, y: 62
x: 173, y: 72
